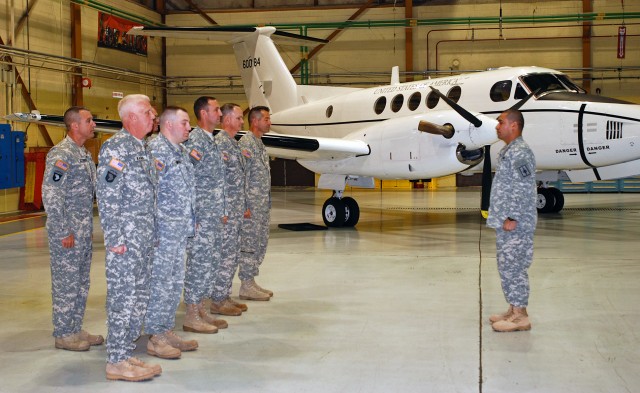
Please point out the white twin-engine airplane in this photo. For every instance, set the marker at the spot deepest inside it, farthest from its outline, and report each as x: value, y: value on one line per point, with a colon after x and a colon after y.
x: 420, y: 130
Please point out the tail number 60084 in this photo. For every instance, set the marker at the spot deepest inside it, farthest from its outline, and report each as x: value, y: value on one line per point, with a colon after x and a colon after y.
x: 250, y: 63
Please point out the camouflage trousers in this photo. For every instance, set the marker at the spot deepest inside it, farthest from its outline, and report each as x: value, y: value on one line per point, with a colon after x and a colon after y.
x: 254, y: 238
x: 203, y: 253
x: 127, y: 298
x: 70, y: 269
x: 167, y: 280
x: 227, y: 265
x: 514, y: 255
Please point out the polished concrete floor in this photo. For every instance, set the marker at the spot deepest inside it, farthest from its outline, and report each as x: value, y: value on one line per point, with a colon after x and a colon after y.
x: 398, y: 304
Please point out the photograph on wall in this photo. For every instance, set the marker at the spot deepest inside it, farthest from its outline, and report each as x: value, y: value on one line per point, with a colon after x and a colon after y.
x: 112, y: 33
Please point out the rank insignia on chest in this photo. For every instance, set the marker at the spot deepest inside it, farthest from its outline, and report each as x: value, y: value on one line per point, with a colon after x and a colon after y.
x: 116, y: 164
x: 159, y: 165
x: 225, y: 156
x: 62, y: 165
x: 196, y: 155
x: 57, y: 175
x: 246, y: 153
x: 110, y: 176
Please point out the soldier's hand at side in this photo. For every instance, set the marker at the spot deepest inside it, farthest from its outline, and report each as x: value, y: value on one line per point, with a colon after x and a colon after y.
x: 247, y: 213
x: 225, y: 219
x: 509, y: 225
x: 121, y: 249
x: 68, y: 242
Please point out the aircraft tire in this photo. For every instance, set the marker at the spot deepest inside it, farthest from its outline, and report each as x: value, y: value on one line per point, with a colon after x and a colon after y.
x: 559, y: 199
x: 352, y: 212
x: 546, y: 201
x: 333, y: 212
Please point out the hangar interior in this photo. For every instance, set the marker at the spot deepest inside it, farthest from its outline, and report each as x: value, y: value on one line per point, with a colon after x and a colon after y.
x: 401, y: 301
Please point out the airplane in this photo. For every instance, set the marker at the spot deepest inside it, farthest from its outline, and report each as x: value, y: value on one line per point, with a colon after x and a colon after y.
x: 413, y: 131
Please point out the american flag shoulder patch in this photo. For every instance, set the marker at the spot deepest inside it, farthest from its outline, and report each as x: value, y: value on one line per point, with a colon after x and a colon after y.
x: 246, y: 153
x: 116, y: 164
x: 195, y: 154
x: 62, y: 165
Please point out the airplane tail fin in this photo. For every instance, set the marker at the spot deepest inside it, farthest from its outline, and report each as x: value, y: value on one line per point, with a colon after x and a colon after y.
x: 266, y: 78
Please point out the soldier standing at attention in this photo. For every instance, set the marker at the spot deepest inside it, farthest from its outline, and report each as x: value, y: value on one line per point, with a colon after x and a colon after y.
x: 203, y: 250
x: 175, y: 223
x: 68, y: 191
x: 234, y: 209
x: 513, y: 214
x: 126, y: 193
x: 255, y: 231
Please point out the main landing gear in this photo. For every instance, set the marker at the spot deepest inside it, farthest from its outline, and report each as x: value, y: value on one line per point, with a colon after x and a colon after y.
x: 340, y: 212
x: 550, y: 200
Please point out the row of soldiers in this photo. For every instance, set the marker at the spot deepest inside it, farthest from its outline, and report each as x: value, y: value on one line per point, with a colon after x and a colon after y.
x: 179, y: 195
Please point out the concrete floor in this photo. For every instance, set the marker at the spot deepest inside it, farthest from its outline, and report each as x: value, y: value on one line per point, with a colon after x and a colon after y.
x: 398, y: 304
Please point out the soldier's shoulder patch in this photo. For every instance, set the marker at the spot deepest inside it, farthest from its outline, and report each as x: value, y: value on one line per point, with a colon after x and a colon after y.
x: 57, y: 175
x: 524, y: 170
x: 246, y: 153
x: 62, y: 165
x: 110, y: 176
x: 225, y: 156
x: 159, y: 165
x: 116, y: 164
x: 195, y: 154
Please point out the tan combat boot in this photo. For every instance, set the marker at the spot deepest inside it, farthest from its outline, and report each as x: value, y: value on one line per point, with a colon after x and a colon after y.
x: 157, y: 370
x: 210, y: 319
x: 193, y: 322
x: 249, y: 291
x: 517, y: 321
x: 93, y: 339
x: 259, y: 288
x: 177, y: 342
x: 72, y: 342
x: 127, y: 371
x: 159, y: 346
x: 243, y: 307
x: 501, y: 317
x: 225, y: 307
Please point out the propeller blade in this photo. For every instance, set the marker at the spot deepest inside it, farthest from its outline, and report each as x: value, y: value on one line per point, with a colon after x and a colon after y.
x: 519, y: 104
x: 487, y: 179
x: 446, y: 130
x: 468, y: 116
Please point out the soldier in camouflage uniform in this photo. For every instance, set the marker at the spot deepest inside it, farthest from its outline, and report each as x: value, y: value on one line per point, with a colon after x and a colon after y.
x: 126, y: 193
x: 175, y: 223
x: 513, y: 214
x: 255, y: 231
x: 203, y: 250
x: 234, y: 211
x: 67, y: 191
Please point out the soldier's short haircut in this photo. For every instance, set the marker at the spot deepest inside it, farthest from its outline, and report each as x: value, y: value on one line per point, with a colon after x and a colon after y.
x: 170, y: 113
x: 72, y: 115
x: 200, y: 104
x: 126, y: 104
x: 227, y: 109
x: 515, y: 116
x: 256, y: 112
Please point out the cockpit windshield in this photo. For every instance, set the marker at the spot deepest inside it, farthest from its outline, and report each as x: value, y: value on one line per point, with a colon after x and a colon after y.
x: 548, y: 83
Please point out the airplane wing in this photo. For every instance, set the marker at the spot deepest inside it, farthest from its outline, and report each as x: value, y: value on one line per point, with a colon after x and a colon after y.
x: 278, y: 145
x: 109, y: 126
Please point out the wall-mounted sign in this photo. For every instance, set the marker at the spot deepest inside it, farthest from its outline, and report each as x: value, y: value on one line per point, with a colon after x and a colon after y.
x: 622, y: 40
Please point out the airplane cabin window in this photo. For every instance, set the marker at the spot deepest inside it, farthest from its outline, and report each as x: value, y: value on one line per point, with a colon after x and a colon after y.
x: 414, y: 100
x: 397, y: 102
x: 432, y: 100
x: 380, y: 104
x: 329, y: 111
x: 454, y: 93
x: 500, y: 91
x: 520, y: 92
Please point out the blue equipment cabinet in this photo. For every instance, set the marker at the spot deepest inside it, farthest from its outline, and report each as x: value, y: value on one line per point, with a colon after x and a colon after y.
x: 11, y: 157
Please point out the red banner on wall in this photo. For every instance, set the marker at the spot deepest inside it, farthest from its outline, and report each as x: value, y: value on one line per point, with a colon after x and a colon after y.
x: 622, y: 40
x: 112, y: 33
